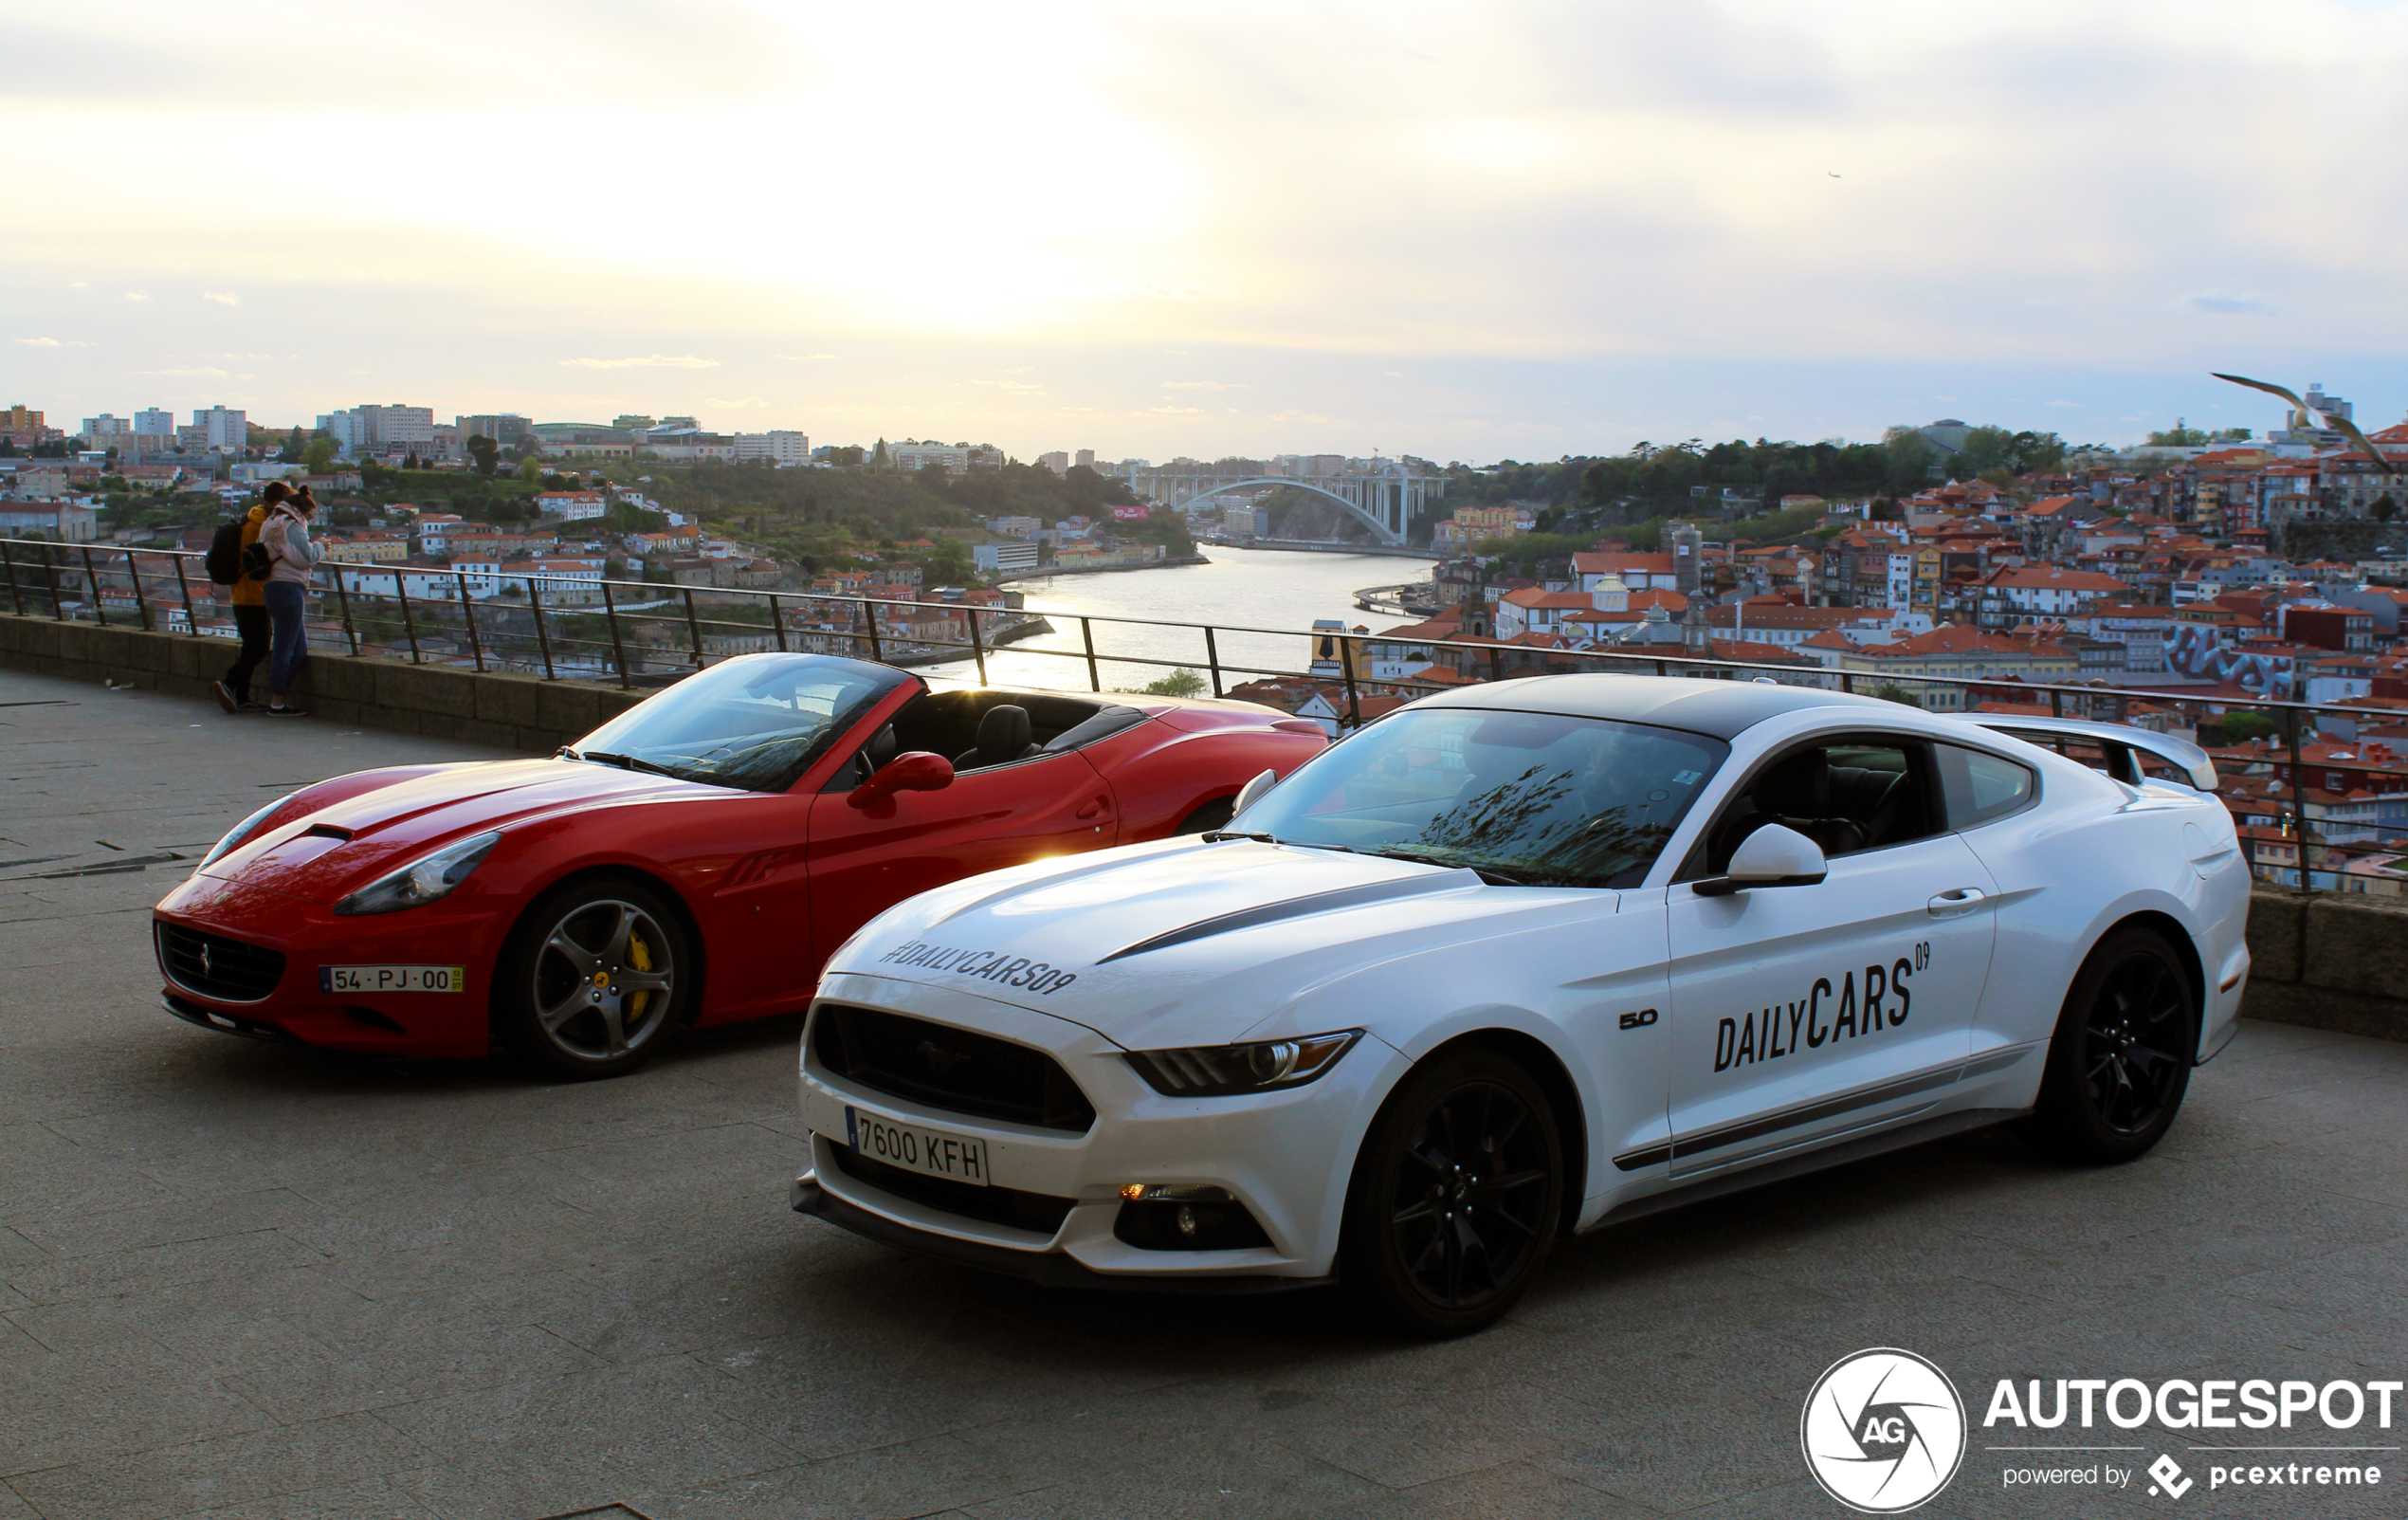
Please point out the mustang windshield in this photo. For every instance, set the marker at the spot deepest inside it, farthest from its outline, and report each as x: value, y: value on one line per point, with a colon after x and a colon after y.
x: 755, y: 723
x: 1537, y: 799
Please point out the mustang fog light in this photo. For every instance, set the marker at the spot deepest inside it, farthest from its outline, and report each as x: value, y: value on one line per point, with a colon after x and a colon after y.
x: 1222, y: 1071
x: 1173, y: 1192
x: 423, y: 880
x: 1215, y: 1225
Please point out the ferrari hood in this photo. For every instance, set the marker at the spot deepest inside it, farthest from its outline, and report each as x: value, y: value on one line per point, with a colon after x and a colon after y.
x: 1179, y: 941
x: 329, y: 851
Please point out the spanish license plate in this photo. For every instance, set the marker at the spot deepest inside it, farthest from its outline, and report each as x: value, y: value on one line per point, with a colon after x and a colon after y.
x: 916, y: 1148
x: 393, y: 978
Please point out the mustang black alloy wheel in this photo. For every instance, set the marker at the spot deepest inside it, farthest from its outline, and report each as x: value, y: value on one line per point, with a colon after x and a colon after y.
x: 594, y: 978
x: 1456, y: 1196
x: 2121, y: 1059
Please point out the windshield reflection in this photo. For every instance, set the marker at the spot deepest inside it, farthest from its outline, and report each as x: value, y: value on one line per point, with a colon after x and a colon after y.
x: 757, y: 721
x: 1540, y: 798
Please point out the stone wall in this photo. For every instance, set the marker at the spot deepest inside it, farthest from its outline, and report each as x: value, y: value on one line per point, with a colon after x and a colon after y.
x: 2328, y: 961
x: 508, y: 711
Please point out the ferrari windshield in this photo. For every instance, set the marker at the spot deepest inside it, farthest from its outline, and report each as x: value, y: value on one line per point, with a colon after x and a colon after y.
x: 757, y: 721
x: 1533, y: 798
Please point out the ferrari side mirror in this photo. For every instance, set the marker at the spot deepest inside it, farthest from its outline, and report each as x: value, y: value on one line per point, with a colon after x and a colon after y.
x: 918, y: 771
x: 1772, y: 856
x: 1252, y: 791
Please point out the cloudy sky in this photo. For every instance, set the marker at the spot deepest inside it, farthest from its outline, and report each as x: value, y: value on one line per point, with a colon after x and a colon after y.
x: 1463, y: 230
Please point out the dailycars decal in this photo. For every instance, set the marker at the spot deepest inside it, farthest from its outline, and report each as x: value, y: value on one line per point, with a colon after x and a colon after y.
x: 1772, y: 1032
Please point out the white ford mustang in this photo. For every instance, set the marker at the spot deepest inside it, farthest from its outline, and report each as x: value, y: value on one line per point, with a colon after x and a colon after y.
x: 1523, y: 960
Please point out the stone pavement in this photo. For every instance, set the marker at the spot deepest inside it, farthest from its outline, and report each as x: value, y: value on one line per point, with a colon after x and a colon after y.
x: 240, y: 1280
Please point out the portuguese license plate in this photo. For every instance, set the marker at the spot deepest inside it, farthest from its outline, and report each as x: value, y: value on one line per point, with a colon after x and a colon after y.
x: 916, y: 1148
x: 393, y: 978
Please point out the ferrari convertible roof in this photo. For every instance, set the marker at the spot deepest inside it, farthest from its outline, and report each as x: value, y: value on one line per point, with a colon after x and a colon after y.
x: 1718, y: 708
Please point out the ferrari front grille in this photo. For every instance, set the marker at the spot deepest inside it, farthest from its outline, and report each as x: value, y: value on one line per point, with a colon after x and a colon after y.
x: 948, y: 1068
x: 215, y: 966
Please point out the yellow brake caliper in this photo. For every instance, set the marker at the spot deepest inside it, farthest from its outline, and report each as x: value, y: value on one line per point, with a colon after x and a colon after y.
x: 641, y: 954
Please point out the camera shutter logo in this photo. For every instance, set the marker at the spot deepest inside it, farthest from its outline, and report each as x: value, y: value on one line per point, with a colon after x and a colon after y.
x: 1883, y: 1430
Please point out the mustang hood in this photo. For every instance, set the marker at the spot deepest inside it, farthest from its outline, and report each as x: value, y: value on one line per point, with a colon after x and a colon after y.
x: 1180, y: 941
x: 320, y: 854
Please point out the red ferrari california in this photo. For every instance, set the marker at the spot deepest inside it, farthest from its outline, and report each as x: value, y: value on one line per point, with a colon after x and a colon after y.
x: 692, y: 862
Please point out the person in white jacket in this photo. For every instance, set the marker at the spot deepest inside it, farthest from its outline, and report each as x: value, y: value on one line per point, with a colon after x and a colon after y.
x: 291, y: 558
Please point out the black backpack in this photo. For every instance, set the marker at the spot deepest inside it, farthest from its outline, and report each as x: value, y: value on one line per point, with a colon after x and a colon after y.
x: 223, y: 560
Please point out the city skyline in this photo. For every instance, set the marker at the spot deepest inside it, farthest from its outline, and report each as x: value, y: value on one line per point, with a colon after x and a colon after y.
x: 1156, y: 232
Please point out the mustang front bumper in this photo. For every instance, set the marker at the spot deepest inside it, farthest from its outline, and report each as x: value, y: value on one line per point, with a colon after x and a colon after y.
x: 1283, y: 1156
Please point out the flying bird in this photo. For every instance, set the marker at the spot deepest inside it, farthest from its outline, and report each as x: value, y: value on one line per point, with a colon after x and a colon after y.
x: 2342, y: 425
x: 1833, y: 172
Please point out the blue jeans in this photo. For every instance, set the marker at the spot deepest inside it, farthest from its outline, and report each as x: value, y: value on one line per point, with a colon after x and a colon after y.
x: 286, y: 599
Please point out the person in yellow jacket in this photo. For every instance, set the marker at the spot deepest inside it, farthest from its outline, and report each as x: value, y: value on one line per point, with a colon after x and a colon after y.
x: 251, y: 623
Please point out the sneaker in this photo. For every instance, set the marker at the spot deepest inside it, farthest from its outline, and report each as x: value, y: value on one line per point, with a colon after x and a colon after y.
x: 254, y: 707
x: 226, y: 697
x: 286, y: 712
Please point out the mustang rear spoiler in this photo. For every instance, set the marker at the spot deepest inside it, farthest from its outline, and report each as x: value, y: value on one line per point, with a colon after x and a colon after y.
x: 2120, y: 741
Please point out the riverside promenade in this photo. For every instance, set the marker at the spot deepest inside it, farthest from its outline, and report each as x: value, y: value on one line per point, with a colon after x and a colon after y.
x: 242, y: 1280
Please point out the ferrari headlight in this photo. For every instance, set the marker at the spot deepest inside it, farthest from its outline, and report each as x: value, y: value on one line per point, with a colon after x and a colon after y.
x: 240, y: 831
x: 1223, y: 1070
x: 423, y: 880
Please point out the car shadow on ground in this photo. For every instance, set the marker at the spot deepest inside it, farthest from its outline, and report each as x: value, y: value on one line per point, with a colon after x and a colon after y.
x: 266, y: 1067
x: 1687, y: 1261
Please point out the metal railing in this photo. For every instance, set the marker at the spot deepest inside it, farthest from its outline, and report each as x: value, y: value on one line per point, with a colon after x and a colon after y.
x: 652, y: 634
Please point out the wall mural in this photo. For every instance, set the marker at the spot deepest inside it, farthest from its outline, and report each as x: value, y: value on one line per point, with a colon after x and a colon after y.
x: 2192, y: 648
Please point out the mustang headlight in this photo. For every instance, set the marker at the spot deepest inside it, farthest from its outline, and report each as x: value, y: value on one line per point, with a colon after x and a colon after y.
x: 240, y: 831
x: 1223, y: 1070
x: 423, y: 880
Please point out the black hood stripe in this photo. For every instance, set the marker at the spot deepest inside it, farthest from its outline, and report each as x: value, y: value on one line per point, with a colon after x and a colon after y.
x: 1416, y: 885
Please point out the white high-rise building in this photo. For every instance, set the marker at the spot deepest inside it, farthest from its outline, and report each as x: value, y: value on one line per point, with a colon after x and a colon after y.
x: 400, y: 425
x: 224, y: 429
x: 778, y: 446
x: 98, y: 431
x: 348, y: 429
x: 155, y: 420
x: 911, y: 456
x: 375, y: 428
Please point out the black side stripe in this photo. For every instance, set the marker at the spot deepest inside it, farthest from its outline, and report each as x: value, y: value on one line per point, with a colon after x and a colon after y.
x: 1746, y: 1129
x: 1298, y: 907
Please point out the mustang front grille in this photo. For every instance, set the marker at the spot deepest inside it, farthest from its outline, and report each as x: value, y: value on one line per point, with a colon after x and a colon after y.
x: 947, y: 1067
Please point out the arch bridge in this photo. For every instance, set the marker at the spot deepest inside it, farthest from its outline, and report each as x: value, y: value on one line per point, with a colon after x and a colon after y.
x: 1386, y: 503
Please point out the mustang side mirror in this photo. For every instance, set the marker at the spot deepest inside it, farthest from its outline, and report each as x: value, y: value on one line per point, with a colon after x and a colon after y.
x: 1252, y: 789
x: 1772, y: 856
x: 917, y: 771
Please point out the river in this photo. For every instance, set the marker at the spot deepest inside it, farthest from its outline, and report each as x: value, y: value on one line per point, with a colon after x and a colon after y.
x: 1250, y: 588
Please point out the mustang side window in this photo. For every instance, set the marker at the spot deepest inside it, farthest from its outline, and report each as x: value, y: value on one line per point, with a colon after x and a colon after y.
x: 1982, y: 787
x: 1847, y: 797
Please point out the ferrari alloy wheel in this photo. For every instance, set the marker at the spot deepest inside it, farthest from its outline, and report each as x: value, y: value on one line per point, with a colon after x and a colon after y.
x: 1456, y: 1196
x: 2121, y: 1060
x: 594, y: 981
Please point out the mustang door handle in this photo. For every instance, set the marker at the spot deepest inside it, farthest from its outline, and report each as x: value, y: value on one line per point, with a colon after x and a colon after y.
x: 1956, y: 901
